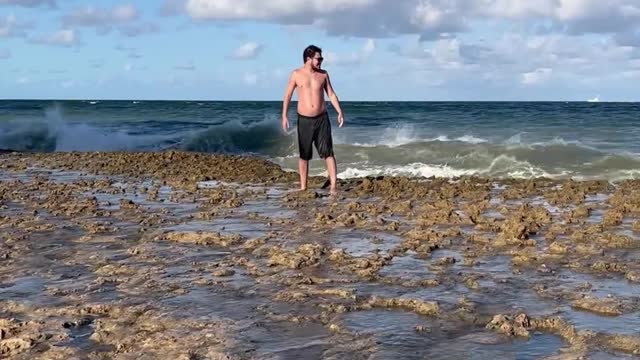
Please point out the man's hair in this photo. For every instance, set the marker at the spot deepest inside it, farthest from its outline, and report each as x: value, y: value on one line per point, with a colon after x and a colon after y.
x: 310, y: 52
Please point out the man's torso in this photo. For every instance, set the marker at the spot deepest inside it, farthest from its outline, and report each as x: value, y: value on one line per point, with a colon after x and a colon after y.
x: 310, y: 87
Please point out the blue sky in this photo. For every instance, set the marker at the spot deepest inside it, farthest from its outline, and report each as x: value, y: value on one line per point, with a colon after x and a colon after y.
x: 374, y: 49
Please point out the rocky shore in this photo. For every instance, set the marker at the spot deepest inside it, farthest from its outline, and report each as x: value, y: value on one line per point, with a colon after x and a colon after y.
x: 176, y: 255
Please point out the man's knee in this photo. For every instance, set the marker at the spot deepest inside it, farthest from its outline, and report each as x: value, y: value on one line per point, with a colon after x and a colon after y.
x: 326, y: 154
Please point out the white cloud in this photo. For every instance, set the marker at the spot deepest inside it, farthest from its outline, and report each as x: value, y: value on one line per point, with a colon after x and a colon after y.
x: 446, y: 53
x: 537, y: 76
x: 431, y: 19
x: 10, y: 27
x: 92, y: 16
x: 357, y: 57
x: 260, y: 9
x: 7, y: 26
x: 65, y: 37
x: 431, y: 16
x: 124, y: 13
x: 122, y: 17
x: 5, y: 54
x: 248, y: 50
x: 502, y: 63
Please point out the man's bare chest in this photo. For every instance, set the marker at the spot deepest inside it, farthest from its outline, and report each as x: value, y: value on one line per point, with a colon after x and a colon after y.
x: 313, y: 82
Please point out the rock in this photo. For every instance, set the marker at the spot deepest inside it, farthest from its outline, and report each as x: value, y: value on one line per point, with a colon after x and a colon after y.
x: 607, y: 306
x: 511, y: 326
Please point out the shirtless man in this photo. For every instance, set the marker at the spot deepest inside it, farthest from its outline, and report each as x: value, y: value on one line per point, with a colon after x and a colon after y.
x: 313, y: 119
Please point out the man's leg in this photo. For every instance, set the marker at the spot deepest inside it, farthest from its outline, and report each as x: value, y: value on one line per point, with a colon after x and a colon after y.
x: 324, y: 144
x: 330, y: 163
x: 303, y: 168
x: 305, y: 143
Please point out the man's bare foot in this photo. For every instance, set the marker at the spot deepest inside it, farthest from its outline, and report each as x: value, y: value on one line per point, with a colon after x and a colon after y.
x: 302, y: 189
x: 333, y: 192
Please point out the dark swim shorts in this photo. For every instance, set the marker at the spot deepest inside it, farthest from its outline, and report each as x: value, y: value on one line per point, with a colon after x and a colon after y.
x: 316, y: 130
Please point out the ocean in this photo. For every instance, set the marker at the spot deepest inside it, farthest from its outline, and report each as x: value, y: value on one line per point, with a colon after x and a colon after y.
x: 578, y: 140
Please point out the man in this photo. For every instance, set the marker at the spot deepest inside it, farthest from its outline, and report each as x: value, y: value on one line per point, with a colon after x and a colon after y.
x: 313, y: 120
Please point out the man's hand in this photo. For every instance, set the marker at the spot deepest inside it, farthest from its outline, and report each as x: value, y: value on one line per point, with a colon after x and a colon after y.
x: 340, y: 120
x: 285, y: 123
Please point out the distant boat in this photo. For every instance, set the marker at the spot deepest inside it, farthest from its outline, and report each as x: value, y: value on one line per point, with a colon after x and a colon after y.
x: 595, y: 99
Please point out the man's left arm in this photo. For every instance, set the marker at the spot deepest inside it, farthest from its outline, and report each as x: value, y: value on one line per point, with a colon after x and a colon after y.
x: 334, y: 100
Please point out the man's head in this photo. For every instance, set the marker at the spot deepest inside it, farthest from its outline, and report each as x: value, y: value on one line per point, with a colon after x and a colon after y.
x: 313, y: 55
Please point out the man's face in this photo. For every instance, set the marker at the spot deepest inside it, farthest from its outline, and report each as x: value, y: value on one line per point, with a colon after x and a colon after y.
x: 316, y: 61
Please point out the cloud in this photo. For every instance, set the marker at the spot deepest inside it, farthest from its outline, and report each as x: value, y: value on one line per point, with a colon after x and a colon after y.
x: 28, y: 3
x: 430, y: 20
x: 121, y: 17
x: 248, y: 50
x: 579, y: 16
x: 628, y: 38
x: 172, y: 7
x: 91, y: 16
x: 265, y: 10
x: 65, y: 37
x: 5, y: 54
x: 537, y: 76
x: 124, y: 18
x: 10, y: 27
x: 512, y: 60
x: 353, y: 58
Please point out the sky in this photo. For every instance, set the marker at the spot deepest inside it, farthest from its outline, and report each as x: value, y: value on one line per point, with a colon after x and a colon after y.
x: 374, y: 50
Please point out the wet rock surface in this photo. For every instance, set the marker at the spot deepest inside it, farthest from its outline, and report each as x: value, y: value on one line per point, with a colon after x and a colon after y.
x: 176, y: 255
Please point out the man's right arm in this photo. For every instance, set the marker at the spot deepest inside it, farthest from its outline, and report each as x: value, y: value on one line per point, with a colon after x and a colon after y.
x: 287, y: 99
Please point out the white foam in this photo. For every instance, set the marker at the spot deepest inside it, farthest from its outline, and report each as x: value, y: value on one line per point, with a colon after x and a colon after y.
x: 443, y: 138
x: 471, y: 139
x: 411, y: 170
x: 505, y: 165
x: 400, y: 138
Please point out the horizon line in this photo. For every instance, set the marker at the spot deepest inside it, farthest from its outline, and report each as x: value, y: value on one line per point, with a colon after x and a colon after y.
x: 342, y: 101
